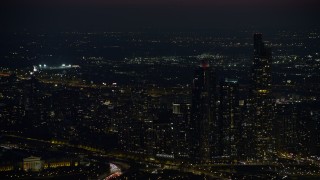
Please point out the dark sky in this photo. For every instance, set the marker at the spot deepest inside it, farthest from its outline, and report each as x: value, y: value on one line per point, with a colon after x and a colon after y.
x: 165, y: 2
x: 174, y: 14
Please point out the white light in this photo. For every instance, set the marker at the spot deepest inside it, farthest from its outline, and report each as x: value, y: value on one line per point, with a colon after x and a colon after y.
x: 63, y: 65
x: 45, y: 65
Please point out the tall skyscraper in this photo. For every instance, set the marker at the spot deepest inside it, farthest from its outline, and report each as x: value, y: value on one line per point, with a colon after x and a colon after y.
x: 31, y: 101
x: 286, y: 116
x: 261, y: 68
x: 203, y: 116
x: 229, y: 115
x: 262, y: 102
x: 180, y: 118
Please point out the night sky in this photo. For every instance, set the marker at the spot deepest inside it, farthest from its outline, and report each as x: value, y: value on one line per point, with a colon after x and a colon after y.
x: 172, y: 14
x: 166, y: 2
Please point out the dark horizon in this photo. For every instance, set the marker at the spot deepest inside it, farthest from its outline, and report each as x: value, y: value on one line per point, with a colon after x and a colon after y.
x: 124, y: 16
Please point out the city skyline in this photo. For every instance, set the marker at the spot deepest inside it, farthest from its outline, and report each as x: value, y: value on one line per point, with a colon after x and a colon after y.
x: 159, y: 89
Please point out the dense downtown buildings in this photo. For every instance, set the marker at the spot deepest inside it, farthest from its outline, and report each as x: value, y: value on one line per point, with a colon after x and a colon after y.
x: 188, y: 117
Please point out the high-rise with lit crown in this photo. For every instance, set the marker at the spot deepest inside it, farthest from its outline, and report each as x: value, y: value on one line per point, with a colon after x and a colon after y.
x: 203, y: 107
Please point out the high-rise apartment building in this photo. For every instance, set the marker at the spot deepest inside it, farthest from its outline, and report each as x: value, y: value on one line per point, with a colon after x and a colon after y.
x: 262, y: 117
x: 229, y: 117
x: 203, y: 123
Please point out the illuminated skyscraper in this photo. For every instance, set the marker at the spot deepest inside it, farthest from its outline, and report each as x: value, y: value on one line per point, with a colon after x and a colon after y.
x: 286, y: 116
x: 31, y: 102
x: 203, y: 116
x: 181, y: 117
x: 261, y: 100
x: 261, y: 68
x: 229, y: 117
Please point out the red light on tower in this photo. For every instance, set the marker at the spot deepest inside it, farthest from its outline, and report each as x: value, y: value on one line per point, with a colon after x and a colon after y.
x: 204, y: 64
